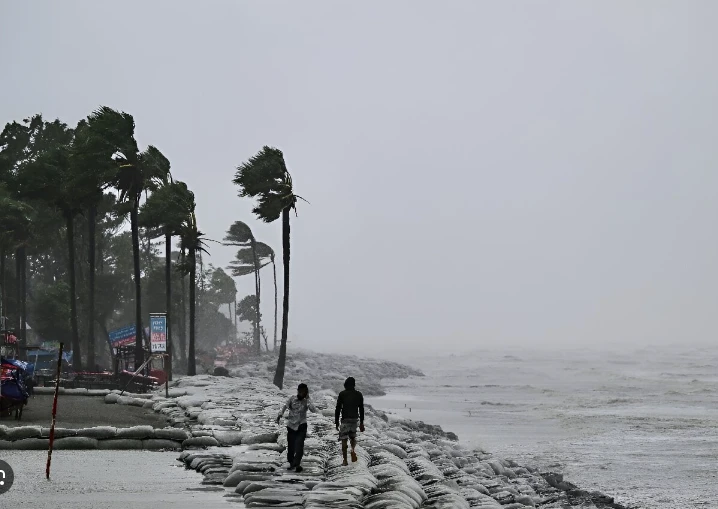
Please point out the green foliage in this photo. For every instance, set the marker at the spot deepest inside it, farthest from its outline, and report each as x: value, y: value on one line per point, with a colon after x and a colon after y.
x: 167, y: 207
x: 247, y: 309
x: 243, y: 263
x: 51, y: 311
x: 15, y: 220
x: 265, y: 177
x: 238, y: 234
x: 223, y: 289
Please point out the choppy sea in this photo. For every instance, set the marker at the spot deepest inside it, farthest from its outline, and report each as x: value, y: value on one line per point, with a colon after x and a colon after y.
x: 639, y: 425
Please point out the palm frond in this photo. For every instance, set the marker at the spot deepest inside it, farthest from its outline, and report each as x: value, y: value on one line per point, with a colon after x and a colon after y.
x: 238, y: 234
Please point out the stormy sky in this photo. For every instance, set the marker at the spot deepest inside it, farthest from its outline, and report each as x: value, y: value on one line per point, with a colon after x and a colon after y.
x: 479, y: 173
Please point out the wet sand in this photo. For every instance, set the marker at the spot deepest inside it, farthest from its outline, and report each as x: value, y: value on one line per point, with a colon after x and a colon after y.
x: 108, y: 480
x: 83, y: 412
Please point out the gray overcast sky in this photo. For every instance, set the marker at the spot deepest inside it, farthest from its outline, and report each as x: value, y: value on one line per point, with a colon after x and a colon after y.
x: 480, y: 173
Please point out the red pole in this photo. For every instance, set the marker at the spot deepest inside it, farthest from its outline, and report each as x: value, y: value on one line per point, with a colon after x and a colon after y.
x: 54, y: 412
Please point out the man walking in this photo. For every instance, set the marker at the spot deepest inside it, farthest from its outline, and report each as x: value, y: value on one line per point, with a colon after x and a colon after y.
x: 350, y: 406
x: 297, y: 425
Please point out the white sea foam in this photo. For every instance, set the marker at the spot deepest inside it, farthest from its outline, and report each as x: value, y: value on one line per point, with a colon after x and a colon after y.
x: 641, y: 427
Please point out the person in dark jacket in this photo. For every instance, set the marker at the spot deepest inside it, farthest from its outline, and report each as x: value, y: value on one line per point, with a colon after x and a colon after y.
x: 350, y: 407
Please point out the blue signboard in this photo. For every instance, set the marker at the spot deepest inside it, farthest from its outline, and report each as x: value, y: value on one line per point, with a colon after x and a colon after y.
x: 158, y: 333
x: 123, y: 336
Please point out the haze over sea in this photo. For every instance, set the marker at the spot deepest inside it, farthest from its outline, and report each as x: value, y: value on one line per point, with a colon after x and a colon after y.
x: 640, y: 425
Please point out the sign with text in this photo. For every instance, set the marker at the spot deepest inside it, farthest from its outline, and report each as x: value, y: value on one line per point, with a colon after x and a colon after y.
x: 122, y: 337
x: 158, y: 333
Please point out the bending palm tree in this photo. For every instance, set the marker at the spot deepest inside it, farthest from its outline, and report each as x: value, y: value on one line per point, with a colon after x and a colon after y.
x: 247, y: 262
x: 265, y: 177
x: 135, y: 172
x: 92, y: 170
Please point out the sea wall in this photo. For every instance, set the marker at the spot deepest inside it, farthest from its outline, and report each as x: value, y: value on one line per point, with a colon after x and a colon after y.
x: 230, y: 436
x: 237, y: 443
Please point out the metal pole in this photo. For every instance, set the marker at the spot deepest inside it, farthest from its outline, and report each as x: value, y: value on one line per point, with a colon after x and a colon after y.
x: 135, y: 374
x: 54, y: 412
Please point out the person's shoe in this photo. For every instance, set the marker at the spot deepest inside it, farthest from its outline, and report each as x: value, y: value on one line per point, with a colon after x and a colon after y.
x: 290, y: 467
x: 299, y: 468
x: 354, y: 457
x: 345, y: 464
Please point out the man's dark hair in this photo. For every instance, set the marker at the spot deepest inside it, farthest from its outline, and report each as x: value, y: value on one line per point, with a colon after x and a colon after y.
x: 303, y: 386
x: 350, y: 383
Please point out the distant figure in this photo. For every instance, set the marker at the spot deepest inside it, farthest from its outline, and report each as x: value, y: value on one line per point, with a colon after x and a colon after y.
x: 297, y: 425
x: 350, y: 406
x: 469, y: 413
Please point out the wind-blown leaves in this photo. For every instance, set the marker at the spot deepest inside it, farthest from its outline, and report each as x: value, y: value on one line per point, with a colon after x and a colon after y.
x: 238, y: 234
x: 266, y: 178
x: 167, y: 208
x: 243, y: 263
x: 16, y: 220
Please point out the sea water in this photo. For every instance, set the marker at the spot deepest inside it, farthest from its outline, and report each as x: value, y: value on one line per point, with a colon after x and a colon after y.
x: 640, y: 425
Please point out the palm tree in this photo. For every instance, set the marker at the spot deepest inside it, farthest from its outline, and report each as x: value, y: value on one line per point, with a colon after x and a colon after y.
x: 192, y: 242
x: 264, y: 256
x: 265, y: 177
x: 247, y: 262
x: 264, y: 248
x: 92, y: 170
x: 135, y: 172
x: 166, y: 209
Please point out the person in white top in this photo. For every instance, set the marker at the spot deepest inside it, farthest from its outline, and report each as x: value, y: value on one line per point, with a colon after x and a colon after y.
x: 297, y: 425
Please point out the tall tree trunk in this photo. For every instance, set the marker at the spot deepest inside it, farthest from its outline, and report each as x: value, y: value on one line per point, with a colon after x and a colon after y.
x: 191, y: 362
x: 183, y: 316
x: 139, y: 351
x: 168, y: 292
x: 257, y: 338
x: 91, y: 228
x: 23, y: 302
x: 279, y: 375
x: 76, y: 355
x: 274, y: 269
x: 235, y: 318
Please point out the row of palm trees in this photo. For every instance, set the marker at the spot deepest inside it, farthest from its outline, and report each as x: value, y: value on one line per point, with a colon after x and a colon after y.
x: 48, y: 166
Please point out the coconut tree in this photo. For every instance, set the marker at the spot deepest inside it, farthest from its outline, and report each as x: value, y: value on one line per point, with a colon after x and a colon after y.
x: 247, y: 262
x: 93, y: 168
x: 166, y: 209
x: 135, y: 172
x: 265, y: 251
x: 192, y: 243
x: 266, y: 178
